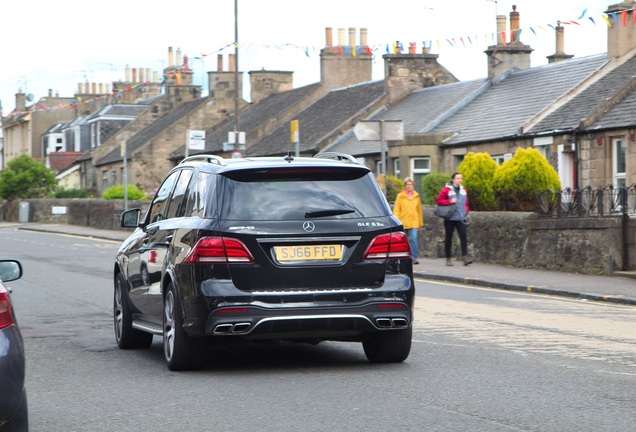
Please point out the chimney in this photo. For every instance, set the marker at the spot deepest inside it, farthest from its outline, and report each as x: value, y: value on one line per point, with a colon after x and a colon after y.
x: 405, y: 73
x: 50, y: 93
x: 338, y: 66
x: 231, y: 63
x: 560, y: 54
x: 219, y: 62
x: 20, y: 101
x: 621, y: 39
x: 265, y: 83
x: 505, y: 56
x: 329, y: 37
x: 222, y: 86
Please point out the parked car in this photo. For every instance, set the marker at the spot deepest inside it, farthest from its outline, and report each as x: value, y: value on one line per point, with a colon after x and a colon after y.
x: 13, y: 399
x: 291, y: 249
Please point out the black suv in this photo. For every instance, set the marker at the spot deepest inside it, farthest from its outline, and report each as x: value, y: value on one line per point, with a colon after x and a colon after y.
x: 290, y: 249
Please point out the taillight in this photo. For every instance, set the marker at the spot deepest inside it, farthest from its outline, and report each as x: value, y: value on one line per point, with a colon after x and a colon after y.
x: 219, y: 250
x: 6, y: 319
x: 390, y: 245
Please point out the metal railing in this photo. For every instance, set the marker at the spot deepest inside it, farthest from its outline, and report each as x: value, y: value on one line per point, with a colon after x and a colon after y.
x: 608, y: 201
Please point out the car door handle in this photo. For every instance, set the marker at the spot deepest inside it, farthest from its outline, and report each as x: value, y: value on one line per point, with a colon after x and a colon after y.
x: 169, y: 239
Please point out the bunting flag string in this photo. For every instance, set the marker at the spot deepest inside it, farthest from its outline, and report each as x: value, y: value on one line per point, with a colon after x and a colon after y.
x: 456, y: 41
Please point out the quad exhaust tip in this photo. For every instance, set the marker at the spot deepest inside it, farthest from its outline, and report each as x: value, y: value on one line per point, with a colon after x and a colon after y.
x: 238, y: 328
x: 391, y: 322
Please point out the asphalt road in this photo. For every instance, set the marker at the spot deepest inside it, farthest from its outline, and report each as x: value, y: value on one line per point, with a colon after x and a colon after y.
x: 482, y: 360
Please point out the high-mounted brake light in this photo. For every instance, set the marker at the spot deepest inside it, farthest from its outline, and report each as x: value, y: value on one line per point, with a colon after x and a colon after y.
x: 6, y: 319
x: 390, y: 245
x: 219, y: 250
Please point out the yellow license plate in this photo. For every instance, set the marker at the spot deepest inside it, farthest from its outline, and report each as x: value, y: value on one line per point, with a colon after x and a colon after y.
x: 308, y: 253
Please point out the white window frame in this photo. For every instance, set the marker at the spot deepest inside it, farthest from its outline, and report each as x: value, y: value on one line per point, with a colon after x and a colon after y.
x: 416, y: 172
x: 396, y: 167
x: 619, y: 178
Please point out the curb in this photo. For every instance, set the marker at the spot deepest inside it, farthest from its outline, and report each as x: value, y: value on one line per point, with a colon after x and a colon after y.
x: 529, y: 288
x: 99, y: 237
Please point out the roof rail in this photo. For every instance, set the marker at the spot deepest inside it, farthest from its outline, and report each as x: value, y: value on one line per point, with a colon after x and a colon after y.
x: 206, y: 157
x: 337, y: 156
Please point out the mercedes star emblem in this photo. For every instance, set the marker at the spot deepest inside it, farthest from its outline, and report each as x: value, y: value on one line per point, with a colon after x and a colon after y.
x: 309, y: 226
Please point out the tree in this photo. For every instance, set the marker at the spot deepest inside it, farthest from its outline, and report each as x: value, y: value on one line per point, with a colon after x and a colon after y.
x: 517, y: 181
x: 478, y: 170
x: 432, y: 184
x: 24, y: 177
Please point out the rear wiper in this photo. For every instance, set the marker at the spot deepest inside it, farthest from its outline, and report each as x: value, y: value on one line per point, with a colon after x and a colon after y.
x: 321, y: 213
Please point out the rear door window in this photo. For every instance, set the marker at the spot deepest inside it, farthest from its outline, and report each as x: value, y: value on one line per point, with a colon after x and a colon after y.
x: 159, y: 207
x: 286, y: 194
x: 177, y: 202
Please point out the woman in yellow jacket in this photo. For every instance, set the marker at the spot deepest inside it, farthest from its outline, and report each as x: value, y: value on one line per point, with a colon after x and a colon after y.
x: 408, y: 208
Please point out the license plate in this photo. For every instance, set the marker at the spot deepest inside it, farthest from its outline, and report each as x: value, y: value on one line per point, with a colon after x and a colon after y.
x: 308, y: 253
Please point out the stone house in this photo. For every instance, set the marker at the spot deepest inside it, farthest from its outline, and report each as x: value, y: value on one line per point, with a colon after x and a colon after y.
x: 578, y: 112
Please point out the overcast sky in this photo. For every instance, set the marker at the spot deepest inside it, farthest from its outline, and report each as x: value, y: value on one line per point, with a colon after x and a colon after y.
x: 57, y: 44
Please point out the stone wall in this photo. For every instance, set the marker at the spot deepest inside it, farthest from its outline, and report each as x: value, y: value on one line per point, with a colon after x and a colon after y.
x: 99, y: 214
x: 590, y: 245
x: 577, y: 245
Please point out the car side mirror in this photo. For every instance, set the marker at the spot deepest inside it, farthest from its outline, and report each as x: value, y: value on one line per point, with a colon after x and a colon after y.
x: 130, y: 218
x: 10, y: 270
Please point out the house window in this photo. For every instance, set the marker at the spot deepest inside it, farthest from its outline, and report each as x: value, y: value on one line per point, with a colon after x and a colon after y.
x: 396, y: 167
x: 457, y: 159
x: 104, y: 180
x: 419, y: 168
x: 379, y: 168
x: 499, y: 159
x: 619, y: 147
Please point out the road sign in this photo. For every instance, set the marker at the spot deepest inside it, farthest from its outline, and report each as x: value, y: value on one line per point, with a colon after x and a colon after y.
x: 196, y: 140
x: 237, y: 154
x: 373, y: 130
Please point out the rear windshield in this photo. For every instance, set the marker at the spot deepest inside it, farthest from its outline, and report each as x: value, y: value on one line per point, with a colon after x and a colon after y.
x: 284, y: 194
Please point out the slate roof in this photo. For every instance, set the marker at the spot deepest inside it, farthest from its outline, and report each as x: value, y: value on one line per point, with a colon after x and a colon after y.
x: 153, y: 130
x: 418, y: 111
x: 118, y: 110
x: 251, y: 118
x: 320, y: 119
x: 580, y: 107
x: 510, y: 103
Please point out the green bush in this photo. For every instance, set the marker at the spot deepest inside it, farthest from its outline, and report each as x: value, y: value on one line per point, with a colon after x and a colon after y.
x: 71, y: 193
x: 24, y: 177
x: 517, y: 181
x: 117, y: 192
x: 393, y: 186
x: 432, y: 184
x: 478, y: 170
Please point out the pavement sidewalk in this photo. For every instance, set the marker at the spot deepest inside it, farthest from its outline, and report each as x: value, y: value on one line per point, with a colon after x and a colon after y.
x: 619, y: 288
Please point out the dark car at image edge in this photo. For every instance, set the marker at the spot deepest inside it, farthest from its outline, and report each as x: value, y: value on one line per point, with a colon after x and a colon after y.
x: 265, y: 249
x: 13, y: 398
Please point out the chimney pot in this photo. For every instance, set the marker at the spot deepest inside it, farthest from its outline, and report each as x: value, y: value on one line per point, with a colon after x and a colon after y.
x: 134, y: 75
x: 352, y: 37
x: 232, y: 63
x: 179, y: 57
x: 141, y: 74
x: 127, y: 73
x: 87, y: 88
x: 501, y: 29
x: 219, y: 62
x: 94, y: 88
x: 341, y: 37
x: 50, y: 92
x: 363, y: 37
x: 329, y: 36
x: 170, y: 57
x: 79, y: 88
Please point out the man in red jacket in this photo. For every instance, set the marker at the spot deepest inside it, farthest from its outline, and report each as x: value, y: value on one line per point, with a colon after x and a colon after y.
x: 455, y: 193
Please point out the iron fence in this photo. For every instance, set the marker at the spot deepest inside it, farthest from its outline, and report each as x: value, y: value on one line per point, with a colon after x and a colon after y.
x: 608, y: 201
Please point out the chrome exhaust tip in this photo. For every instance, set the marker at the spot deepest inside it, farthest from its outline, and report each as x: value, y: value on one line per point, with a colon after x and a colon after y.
x: 223, y: 329
x: 241, y: 327
x: 399, y: 322
x: 384, y: 322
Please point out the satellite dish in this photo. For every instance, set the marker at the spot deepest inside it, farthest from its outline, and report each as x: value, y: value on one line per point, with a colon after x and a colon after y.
x: 29, y: 97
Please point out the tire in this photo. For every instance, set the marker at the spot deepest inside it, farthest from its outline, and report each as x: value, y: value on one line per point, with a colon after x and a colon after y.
x: 388, y: 346
x: 181, y: 351
x: 126, y: 336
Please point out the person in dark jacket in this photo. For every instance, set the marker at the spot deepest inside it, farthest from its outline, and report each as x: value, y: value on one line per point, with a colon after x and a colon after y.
x: 455, y: 193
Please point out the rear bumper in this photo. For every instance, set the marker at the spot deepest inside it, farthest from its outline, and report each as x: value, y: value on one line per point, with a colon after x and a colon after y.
x: 336, y: 314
